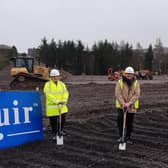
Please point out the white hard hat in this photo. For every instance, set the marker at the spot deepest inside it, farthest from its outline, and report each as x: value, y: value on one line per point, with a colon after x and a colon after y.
x: 129, y: 70
x: 54, y: 72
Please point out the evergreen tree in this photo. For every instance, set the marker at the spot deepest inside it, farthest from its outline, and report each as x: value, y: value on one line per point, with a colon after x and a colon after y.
x: 53, y: 54
x: 44, y: 52
x: 148, y: 58
x: 14, y: 51
x: 126, y: 54
x: 74, y: 58
x: 138, y: 57
x: 79, y: 57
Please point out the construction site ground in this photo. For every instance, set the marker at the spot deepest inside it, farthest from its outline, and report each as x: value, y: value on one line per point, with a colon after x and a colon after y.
x: 91, y: 127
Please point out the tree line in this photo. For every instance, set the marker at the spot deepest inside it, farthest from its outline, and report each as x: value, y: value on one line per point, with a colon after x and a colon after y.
x: 74, y: 57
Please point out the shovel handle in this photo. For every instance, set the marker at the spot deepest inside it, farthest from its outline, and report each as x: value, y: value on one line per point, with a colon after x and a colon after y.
x: 124, y: 123
x: 124, y: 119
x: 59, y: 120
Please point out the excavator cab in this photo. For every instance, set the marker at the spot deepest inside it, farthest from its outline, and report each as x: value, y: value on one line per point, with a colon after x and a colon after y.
x: 113, y: 76
x: 22, y: 64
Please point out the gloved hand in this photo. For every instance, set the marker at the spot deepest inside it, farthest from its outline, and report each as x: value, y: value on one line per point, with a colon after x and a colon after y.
x: 62, y: 103
x: 126, y: 105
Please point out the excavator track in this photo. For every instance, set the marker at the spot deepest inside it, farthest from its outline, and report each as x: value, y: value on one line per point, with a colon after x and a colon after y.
x: 24, y: 81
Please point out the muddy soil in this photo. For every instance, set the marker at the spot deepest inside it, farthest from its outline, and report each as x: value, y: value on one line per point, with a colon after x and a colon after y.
x: 92, y: 132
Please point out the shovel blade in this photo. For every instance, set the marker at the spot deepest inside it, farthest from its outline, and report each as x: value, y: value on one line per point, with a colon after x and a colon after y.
x: 60, y: 140
x: 122, y: 146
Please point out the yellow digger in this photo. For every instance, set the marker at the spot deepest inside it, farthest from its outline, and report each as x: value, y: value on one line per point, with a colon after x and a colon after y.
x: 144, y: 74
x: 26, y: 74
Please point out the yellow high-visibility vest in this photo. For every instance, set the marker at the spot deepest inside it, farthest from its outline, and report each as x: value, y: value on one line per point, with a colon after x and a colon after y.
x: 136, y: 103
x: 55, y: 94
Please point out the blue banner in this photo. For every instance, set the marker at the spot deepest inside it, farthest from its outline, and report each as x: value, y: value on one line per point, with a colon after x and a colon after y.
x: 20, y: 118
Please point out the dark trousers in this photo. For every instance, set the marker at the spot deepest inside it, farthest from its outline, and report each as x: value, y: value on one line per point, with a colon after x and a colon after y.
x: 129, y: 122
x: 54, y: 123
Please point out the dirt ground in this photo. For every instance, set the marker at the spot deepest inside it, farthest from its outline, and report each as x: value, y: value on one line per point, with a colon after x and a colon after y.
x: 92, y: 131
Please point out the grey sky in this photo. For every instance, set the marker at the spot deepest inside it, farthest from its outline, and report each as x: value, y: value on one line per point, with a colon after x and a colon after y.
x: 25, y: 22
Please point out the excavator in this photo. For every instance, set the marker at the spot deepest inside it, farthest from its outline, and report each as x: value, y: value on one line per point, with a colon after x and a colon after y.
x: 113, y: 76
x: 26, y: 75
x: 144, y: 74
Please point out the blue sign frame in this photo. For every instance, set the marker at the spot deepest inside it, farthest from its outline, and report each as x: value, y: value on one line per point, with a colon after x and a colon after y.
x: 20, y: 118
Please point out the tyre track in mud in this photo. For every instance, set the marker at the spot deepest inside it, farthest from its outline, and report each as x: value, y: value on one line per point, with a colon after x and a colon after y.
x: 147, y: 151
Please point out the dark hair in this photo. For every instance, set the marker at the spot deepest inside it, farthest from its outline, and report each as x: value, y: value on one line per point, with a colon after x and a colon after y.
x: 129, y: 82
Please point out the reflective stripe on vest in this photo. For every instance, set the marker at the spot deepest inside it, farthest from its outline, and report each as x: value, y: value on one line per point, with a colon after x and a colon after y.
x: 136, y: 103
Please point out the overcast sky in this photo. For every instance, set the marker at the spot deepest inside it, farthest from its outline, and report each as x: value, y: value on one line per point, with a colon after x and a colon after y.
x: 24, y: 23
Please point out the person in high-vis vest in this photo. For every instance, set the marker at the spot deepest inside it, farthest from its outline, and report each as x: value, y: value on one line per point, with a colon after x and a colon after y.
x: 127, y: 93
x: 56, y: 93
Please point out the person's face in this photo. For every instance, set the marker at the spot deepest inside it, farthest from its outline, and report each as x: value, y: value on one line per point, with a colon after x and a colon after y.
x: 129, y: 76
x: 55, y: 78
